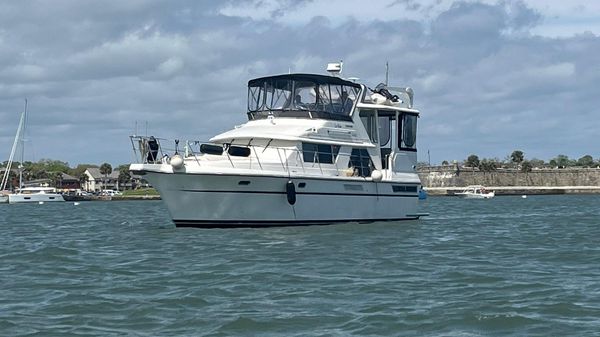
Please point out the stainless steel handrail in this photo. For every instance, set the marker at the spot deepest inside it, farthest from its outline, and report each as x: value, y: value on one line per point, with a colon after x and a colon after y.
x: 289, y: 158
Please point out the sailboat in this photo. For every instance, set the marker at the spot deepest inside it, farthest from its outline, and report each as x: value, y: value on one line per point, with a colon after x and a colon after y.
x: 3, y: 191
x: 25, y: 194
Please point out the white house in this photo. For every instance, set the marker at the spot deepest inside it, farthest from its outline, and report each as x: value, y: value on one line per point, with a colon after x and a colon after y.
x: 96, y: 181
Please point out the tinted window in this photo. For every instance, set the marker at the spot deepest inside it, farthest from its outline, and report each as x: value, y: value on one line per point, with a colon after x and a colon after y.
x: 409, y: 133
x: 319, y: 153
x: 384, y: 130
x: 368, y: 119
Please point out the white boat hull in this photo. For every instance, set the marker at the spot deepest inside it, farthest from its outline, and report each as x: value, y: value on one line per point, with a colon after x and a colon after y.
x: 35, y: 198
x: 3, y: 199
x: 476, y: 196
x: 219, y: 200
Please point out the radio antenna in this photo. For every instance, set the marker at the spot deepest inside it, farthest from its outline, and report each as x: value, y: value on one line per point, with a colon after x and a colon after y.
x: 387, y: 71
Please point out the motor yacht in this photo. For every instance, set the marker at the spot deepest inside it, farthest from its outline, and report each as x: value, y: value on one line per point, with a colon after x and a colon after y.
x: 476, y: 192
x: 316, y: 149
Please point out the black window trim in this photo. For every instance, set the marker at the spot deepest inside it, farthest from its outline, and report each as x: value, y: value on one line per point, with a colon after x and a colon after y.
x: 400, y: 132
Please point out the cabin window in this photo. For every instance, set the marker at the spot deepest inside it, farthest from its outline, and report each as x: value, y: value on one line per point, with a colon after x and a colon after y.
x: 255, y: 98
x: 319, y: 153
x: 278, y: 94
x: 368, y: 119
x: 336, y: 99
x: 385, y: 130
x: 400, y: 188
x: 361, y: 162
x: 301, y: 96
x: 408, y: 132
x: 305, y: 95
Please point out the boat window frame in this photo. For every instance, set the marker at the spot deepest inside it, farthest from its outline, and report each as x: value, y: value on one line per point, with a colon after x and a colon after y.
x: 368, y: 117
x: 320, y: 154
x: 276, y: 93
x: 385, y: 129
x: 405, y: 133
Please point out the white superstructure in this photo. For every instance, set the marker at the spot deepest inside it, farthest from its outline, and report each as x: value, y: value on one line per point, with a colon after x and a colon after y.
x: 35, y: 194
x: 316, y: 150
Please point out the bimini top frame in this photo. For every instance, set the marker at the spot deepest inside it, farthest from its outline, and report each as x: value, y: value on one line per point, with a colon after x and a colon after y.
x: 302, y: 96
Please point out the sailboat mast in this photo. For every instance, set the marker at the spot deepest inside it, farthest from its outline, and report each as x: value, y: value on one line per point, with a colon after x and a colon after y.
x: 22, y: 147
x: 13, y: 150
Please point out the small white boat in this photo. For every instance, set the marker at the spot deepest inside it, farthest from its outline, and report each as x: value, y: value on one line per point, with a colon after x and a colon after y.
x: 476, y: 192
x: 35, y: 194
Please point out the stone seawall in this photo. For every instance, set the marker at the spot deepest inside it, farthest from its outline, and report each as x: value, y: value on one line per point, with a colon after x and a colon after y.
x: 446, y: 179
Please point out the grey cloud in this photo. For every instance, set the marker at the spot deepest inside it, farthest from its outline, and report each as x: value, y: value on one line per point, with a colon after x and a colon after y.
x: 468, y: 24
x: 406, y: 4
x: 519, y: 16
x: 483, y: 83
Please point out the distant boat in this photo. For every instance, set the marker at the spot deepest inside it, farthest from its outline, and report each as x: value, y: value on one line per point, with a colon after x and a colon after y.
x: 25, y: 194
x: 422, y: 194
x: 35, y: 194
x: 476, y: 192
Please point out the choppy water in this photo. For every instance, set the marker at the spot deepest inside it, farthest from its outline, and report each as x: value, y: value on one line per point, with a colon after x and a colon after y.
x: 503, y: 267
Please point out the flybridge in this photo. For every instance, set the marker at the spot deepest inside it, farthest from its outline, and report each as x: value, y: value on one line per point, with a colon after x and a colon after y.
x: 319, y: 96
x: 302, y: 95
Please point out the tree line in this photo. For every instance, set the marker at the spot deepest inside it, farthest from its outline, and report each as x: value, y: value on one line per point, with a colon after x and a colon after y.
x: 52, y: 170
x: 517, y: 160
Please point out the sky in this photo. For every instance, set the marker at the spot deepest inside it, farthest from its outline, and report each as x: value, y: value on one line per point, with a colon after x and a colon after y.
x: 490, y: 77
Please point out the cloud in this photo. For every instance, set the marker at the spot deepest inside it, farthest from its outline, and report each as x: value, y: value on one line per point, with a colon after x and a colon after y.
x: 136, y: 54
x: 469, y: 24
x: 486, y: 81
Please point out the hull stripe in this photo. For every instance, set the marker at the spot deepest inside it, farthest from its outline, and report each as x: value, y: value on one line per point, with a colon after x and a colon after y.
x: 308, y: 193
x: 273, y: 223
x: 286, y: 177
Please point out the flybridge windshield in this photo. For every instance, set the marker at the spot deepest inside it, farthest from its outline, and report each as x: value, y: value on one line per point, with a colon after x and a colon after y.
x: 299, y: 95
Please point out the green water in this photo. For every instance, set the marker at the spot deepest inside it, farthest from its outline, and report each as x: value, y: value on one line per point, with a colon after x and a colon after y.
x: 502, y: 267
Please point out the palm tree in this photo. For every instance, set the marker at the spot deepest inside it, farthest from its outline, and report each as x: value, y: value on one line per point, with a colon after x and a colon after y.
x: 105, y: 169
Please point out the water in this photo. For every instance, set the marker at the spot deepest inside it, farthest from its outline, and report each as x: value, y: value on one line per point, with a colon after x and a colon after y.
x: 502, y: 267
